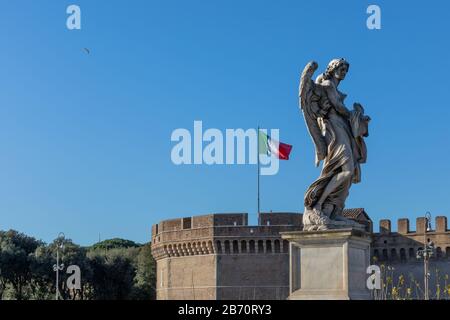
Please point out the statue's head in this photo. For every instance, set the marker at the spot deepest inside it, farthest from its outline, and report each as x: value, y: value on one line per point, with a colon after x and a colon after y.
x: 337, y: 68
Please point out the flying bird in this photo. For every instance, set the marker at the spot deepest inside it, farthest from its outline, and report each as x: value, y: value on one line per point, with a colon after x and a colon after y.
x: 87, y: 50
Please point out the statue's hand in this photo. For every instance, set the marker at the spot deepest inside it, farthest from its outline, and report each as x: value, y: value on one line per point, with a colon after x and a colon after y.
x: 358, y: 106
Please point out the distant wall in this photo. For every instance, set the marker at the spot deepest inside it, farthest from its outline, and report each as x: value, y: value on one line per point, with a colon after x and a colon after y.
x: 401, y: 246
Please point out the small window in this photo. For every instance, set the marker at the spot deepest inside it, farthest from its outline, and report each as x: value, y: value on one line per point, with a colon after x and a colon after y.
x: 244, y: 246
x: 269, y: 246
x: 235, y: 246
x: 260, y: 246
x: 227, y: 247
x: 402, y: 254
x: 438, y: 253
x: 252, y: 246
x: 385, y: 254
x: 376, y: 254
x: 277, y: 246
x: 393, y: 254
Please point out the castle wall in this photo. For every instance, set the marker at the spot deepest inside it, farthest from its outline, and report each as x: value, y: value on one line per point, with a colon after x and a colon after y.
x: 187, y: 278
x: 218, y: 256
x: 253, y: 277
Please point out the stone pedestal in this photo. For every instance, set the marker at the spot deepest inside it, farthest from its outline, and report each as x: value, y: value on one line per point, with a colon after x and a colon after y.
x: 328, y: 265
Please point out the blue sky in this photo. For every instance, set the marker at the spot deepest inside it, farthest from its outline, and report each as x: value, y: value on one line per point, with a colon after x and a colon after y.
x: 85, y: 139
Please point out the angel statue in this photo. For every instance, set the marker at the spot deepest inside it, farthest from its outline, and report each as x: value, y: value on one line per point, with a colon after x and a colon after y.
x: 338, y: 135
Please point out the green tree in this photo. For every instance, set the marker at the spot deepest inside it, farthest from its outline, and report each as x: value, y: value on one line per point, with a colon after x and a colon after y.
x: 16, y: 255
x: 145, y: 279
x: 115, y: 243
x: 115, y: 269
x: 42, y: 283
x: 112, y: 276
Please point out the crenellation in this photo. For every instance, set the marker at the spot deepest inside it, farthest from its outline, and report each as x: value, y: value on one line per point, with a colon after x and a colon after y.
x: 385, y: 226
x: 441, y: 224
x: 155, y: 230
x: 187, y: 223
x: 421, y: 225
x: 281, y: 219
x: 171, y: 225
x: 238, y: 219
x: 403, y: 226
x: 203, y: 221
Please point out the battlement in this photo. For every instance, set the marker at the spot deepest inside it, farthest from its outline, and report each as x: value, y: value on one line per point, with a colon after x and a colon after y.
x: 234, y: 223
x: 241, y: 219
x: 403, y: 244
x: 403, y: 226
x: 280, y: 219
x: 221, y: 233
x: 226, y: 220
x: 203, y: 221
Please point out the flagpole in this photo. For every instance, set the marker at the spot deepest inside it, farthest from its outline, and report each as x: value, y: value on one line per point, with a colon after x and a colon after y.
x: 259, y: 208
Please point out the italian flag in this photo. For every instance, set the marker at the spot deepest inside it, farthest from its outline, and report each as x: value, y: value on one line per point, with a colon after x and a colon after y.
x: 272, y: 147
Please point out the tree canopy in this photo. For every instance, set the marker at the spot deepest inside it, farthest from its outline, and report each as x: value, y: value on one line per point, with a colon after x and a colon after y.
x: 115, y: 269
x: 115, y: 243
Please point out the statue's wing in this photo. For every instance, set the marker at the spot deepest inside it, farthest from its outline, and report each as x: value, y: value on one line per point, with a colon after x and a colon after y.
x: 309, y: 97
